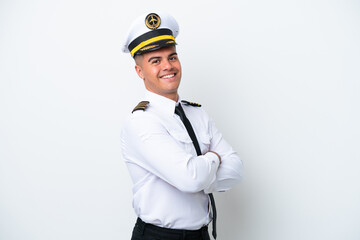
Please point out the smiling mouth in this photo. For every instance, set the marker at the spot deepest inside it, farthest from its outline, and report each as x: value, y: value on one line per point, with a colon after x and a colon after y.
x: 168, y: 76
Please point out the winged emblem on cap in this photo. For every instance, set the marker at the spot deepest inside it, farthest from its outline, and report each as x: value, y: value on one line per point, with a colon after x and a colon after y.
x: 152, y: 21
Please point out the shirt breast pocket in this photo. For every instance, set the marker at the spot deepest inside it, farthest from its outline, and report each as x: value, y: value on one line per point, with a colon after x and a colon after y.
x: 183, y: 140
x: 204, y: 142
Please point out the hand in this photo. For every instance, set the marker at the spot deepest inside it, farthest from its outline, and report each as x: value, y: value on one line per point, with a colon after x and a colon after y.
x: 217, y: 155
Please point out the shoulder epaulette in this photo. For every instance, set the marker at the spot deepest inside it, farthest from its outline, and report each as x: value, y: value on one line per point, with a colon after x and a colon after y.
x: 141, y: 106
x: 191, y: 103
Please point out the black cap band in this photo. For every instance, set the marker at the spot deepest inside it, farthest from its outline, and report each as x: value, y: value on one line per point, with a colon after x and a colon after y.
x: 149, y: 35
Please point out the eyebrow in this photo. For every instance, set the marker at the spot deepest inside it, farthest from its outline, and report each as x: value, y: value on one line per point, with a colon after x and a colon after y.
x: 157, y: 57
x: 152, y: 58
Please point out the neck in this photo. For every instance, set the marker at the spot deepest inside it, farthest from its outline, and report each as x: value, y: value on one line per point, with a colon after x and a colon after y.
x: 172, y: 96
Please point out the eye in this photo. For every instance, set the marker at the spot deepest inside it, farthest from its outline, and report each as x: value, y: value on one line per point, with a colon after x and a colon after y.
x: 155, y: 61
x: 173, y: 58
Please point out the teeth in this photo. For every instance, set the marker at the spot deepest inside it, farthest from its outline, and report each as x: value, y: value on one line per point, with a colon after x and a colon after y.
x: 168, y: 76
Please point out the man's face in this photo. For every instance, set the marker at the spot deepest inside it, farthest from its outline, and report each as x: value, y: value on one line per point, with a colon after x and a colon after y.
x: 161, y: 71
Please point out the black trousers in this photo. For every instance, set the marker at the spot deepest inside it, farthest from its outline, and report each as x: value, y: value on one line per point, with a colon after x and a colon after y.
x: 145, y: 231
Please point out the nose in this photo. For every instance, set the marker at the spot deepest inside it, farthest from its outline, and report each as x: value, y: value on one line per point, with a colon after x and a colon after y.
x: 167, y: 65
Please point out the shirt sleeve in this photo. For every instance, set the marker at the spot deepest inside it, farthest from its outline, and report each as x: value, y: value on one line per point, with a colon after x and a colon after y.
x: 231, y: 168
x: 146, y: 143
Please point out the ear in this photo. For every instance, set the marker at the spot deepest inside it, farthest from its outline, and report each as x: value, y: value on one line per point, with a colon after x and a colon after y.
x: 138, y: 70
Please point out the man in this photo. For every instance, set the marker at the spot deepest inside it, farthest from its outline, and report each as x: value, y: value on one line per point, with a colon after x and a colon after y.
x: 175, y: 155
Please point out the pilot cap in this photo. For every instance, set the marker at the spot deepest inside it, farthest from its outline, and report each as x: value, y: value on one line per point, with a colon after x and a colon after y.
x: 150, y: 32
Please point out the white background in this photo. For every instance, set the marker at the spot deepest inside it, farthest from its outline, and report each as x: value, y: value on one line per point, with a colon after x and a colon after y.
x: 280, y: 79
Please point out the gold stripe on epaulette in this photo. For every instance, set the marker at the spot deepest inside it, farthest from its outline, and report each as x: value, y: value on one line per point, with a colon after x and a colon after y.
x: 141, y: 106
x: 191, y: 103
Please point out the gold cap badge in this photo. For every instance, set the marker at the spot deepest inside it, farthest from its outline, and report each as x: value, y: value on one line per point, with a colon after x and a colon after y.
x: 152, y: 21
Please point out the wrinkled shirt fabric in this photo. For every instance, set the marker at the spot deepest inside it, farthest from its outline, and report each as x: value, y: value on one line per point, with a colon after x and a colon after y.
x: 171, y: 182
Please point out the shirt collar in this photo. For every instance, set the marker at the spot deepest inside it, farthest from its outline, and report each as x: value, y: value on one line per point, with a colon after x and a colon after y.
x: 161, y: 103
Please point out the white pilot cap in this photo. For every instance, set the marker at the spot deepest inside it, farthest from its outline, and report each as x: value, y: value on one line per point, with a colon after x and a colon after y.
x: 150, y: 32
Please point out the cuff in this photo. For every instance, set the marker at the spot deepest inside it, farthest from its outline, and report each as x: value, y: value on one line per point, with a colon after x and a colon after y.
x: 213, y: 158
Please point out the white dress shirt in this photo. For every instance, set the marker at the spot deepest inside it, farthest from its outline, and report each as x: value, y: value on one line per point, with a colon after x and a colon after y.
x: 170, y: 181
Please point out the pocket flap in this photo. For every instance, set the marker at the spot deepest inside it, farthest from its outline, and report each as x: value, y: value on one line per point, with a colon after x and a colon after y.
x: 204, y: 138
x: 182, y: 136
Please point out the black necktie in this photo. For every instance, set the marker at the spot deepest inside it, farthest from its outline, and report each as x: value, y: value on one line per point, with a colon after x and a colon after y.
x: 179, y: 111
